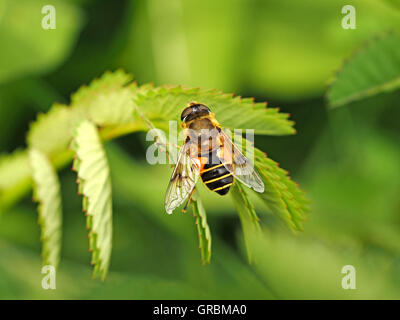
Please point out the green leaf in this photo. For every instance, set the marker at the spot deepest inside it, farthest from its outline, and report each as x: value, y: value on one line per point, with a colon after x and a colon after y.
x: 372, y: 70
x: 113, y: 108
x: 247, y: 214
x: 46, y: 191
x: 108, y: 82
x: 107, y: 100
x: 162, y: 104
x: 282, y: 195
x: 203, y: 229
x: 26, y: 47
x: 95, y: 185
x: 51, y: 133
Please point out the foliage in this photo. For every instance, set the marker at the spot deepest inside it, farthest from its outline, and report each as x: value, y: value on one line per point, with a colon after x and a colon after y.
x: 160, y: 104
x: 247, y: 215
x: 47, y: 193
x: 282, y: 51
x: 372, y: 70
x: 203, y: 230
x: 119, y: 108
x: 282, y: 195
x: 95, y: 186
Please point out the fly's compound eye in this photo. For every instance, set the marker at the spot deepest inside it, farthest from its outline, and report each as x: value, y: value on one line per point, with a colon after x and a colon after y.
x: 193, y: 111
x: 186, y: 112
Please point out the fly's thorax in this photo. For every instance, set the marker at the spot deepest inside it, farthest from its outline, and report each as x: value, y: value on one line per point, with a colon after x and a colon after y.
x: 203, y: 123
x: 205, y: 137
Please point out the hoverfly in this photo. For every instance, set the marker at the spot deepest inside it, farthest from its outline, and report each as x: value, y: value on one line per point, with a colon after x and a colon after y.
x: 208, y: 153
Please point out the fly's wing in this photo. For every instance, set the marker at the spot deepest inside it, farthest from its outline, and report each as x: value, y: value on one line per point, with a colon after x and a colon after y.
x: 183, y: 179
x: 236, y: 163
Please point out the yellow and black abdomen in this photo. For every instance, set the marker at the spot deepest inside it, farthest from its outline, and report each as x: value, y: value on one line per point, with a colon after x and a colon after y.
x: 216, y: 177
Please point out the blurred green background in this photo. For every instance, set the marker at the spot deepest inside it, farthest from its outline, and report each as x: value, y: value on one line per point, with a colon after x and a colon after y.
x: 281, y: 51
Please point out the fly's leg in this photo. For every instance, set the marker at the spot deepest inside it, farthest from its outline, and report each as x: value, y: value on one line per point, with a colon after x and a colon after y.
x: 159, y: 144
x: 189, y: 199
x: 165, y: 147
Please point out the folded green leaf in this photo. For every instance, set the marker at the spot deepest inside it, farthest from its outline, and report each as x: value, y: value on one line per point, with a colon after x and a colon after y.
x: 203, y: 229
x: 95, y: 186
x: 51, y: 133
x: 247, y: 214
x: 108, y: 82
x: 107, y: 100
x: 372, y: 70
x: 46, y: 191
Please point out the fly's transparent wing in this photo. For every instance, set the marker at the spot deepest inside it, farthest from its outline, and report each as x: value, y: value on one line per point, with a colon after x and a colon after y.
x: 183, y: 179
x: 241, y: 167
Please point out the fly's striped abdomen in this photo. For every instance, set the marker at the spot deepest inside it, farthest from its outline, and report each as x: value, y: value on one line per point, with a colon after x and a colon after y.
x: 216, y: 177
